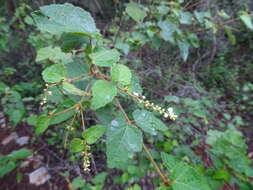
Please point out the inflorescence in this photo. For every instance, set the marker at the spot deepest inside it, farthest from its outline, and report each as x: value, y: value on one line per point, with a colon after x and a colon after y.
x: 47, y: 93
x: 86, y: 158
x: 166, y: 113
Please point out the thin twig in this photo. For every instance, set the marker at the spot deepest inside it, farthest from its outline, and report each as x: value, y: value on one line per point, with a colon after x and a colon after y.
x: 82, y: 117
x: 122, y: 110
x: 78, y: 78
x: 67, y: 133
x: 187, y: 4
x: 165, y: 181
x: 193, y: 5
x: 118, y: 31
x: 62, y: 112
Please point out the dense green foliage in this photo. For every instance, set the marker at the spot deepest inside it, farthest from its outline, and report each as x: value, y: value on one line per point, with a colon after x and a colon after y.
x: 164, y: 89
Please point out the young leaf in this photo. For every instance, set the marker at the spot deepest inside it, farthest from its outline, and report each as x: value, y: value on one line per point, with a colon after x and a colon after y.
x: 246, y: 19
x: 105, y: 58
x: 76, y: 145
x: 59, y: 18
x: 54, y: 73
x: 121, y: 143
x: 70, y: 88
x: 148, y: 122
x: 41, y: 124
x: 135, y: 12
x: 184, y: 176
x: 92, y: 134
x: 122, y: 74
x: 103, y: 93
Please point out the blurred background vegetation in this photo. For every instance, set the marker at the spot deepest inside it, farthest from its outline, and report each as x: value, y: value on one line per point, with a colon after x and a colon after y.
x: 212, y: 91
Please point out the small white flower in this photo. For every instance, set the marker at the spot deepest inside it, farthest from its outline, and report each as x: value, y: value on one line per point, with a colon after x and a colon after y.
x: 144, y: 97
x: 49, y: 93
x: 166, y: 115
x: 170, y: 110
x: 135, y: 93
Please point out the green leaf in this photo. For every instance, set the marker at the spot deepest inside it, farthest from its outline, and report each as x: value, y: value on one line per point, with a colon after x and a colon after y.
x: 62, y: 117
x: 222, y: 174
x: 246, y: 19
x: 59, y: 18
x: 135, y: 85
x: 105, y: 58
x: 167, y: 30
x: 124, y: 47
x: 223, y: 14
x: 122, y: 74
x: 19, y: 154
x: 184, y: 176
x: 135, y: 12
x: 57, y: 96
x: 201, y: 16
x: 184, y: 49
x: 185, y: 18
x: 231, y: 145
x: 76, y: 145
x: 16, y: 115
x: 92, y: 134
x: 163, y: 10
x: 230, y: 35
x: 42, y: 124
x: 71, y: 41
x: 54, y: 73
x: 78, y: 183
x: 3, y: 86
x: 6, y: 168
x: 106, y: 114
x: 31, y: 120
x: 100, y: 178
x: 201, y: 113
x: 174, y: 99
x: 77, y: 68
x: 103, y: 93
x: 53, y: 53
x: 122, y: 142
x: 70, y: 88
x: 148, y: 122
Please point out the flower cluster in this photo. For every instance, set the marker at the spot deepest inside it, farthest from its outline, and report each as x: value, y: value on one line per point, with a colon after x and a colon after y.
x: 166, y: 113
x: 43, y: 101
x: 70, y: 128
x: 86, y: 158
x: 47, y: 93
